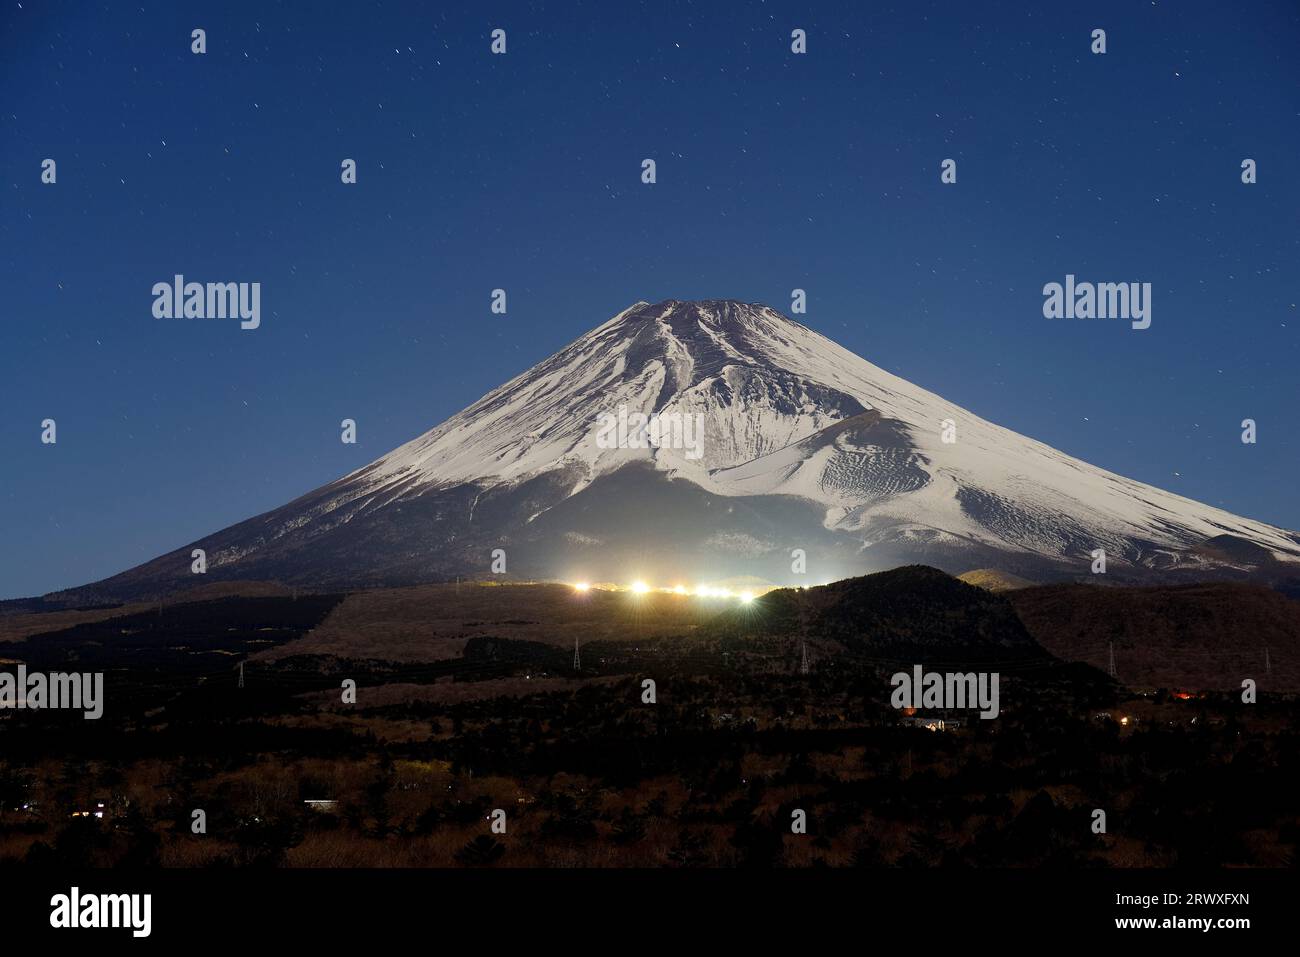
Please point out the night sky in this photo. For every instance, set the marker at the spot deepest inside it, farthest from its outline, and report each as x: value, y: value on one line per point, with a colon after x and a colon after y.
x: 475, y: 171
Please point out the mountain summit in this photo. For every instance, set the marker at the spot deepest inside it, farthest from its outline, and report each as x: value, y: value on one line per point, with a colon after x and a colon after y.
x: 803, y: 446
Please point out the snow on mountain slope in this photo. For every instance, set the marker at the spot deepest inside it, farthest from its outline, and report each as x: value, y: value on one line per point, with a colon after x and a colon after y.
x: 806, y: 440
x: 765, y: 384
x: 648, y: 359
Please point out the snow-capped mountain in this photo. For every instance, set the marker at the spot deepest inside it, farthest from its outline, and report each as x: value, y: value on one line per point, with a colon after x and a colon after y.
x: 804, y: 446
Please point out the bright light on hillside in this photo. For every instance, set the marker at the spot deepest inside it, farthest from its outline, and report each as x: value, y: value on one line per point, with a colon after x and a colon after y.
x: 640, y: 587
x: 581, y: 586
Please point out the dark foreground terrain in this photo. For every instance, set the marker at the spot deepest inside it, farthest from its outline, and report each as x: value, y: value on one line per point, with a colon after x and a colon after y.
x: 469, y: 702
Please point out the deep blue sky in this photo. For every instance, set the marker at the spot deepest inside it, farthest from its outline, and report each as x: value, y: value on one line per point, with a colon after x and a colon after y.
x: 523, y: 171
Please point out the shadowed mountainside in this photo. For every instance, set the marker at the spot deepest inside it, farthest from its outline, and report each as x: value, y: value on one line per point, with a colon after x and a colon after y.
x: 1207, y: 636
x: 915, y: 612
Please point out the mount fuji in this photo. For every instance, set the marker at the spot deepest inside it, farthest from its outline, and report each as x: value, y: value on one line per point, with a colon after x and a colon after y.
x: 805, y: 446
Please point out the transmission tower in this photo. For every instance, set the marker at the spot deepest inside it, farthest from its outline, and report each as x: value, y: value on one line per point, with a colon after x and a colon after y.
x: 577, y: 658
x: 1112, y: 660
x: 803, y: 665
x: 241, y: 674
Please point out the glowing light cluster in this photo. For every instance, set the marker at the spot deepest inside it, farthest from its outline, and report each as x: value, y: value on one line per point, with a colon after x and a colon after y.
x: 640, y: 587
